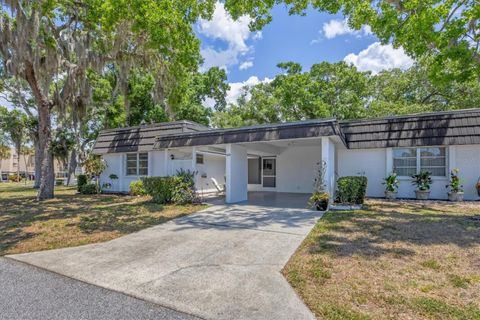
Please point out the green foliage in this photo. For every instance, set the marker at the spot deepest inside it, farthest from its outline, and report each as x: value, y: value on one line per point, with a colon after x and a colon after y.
x: 137, y: 188
x: 94, y: 165
x: 82, y: 180
x: 62, y: 143
x: 455, y: 184
x: 319, y: 200
x: 352, y: 189
x: 89, y: 188
x: 422, y: 180
x: 59, y: 182
x: 179, y: 189
x: 161, y: 188
x: 14, y: 178
x: 391, y: 182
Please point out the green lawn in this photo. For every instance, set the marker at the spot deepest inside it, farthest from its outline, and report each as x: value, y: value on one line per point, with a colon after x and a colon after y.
x: 392, y: 260
x: 72, y: 219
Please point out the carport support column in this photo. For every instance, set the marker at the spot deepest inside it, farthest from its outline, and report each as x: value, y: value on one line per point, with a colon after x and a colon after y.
x: 236, y: 174
x: 328, y: 155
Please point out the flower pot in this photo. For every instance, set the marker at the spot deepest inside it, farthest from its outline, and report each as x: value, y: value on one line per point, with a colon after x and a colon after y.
x: 321, y: 205
x: 455, y: 196
x: 422, y: 194
x: 391, y: 195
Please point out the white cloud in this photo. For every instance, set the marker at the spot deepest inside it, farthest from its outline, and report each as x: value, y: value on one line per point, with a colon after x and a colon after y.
x: 246, y: 65
x: 378, y: 57
x: 235, y: 33
x: 236, y: 88
x: 335, y: 27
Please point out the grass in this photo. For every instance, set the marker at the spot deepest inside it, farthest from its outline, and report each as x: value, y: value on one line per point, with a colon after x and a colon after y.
x: 71, y: 219
x: 392, y: 260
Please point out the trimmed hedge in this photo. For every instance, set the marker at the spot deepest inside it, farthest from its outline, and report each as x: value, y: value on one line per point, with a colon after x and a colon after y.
x: 137, y: 188
x: 175, y: 189
x: 161, y: 188
x: 89, y: 188
x: 352, y: 189
x: 82, y: 180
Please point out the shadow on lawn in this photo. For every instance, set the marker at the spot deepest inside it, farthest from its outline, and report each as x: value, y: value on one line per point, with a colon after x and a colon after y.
x: 89, y: 213
x: 386, y: 231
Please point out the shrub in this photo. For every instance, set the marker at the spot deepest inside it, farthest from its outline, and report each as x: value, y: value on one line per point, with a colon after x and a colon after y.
x: 391, y: 182
x: 184, y: 193
x: 160, y: 188
x: 89, y: 188
x: 59, y: 182
x: 14, y: 178
x: 82, y: 180
x: 137, y: 188
x: 178, y: 189
x: 352, y: 189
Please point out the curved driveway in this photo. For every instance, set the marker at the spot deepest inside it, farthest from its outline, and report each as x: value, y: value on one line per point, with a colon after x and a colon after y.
x: 221, y: 263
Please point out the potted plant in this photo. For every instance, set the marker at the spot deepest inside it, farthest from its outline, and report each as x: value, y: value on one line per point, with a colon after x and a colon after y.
x: 456, y: 192
x: 391, y: 185
x: 423, y: 181
x: 320, y: 197
x: 319, y: 200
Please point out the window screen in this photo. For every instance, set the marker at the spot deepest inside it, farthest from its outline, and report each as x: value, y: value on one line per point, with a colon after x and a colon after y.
x: 137, y: 164
x: 409, y: 161
x: 434, y: 160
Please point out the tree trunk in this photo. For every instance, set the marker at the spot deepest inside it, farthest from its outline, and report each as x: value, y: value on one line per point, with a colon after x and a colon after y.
x: 18, y: 162
x: 38, y: 164
x: 47, y: 181
x: 72, y: 165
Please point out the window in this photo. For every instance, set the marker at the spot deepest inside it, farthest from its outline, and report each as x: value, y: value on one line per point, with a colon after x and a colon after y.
x: 199, y: 158
x: 137, y: 164
x: 409, y: 161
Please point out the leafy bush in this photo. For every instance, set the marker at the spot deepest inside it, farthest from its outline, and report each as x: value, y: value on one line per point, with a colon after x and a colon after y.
x: 161, y: 188
x: 89, y: 188
x: 82, y: 180
x: 184, y: 193
x: 59, y: 182
x: 178, y: 189
x: 319, y: 200
x: 352, y: 189
x: 14, y: 178
x: 137, y: 188
x: 187, y: 177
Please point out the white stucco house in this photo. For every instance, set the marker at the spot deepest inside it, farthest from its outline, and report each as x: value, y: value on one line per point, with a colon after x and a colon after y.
x: 283, y: 157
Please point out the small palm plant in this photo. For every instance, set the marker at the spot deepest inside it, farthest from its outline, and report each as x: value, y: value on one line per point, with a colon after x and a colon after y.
x: 391, y: 183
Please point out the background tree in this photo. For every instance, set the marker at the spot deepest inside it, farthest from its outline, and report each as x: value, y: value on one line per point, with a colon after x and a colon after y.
x: 13, y: 124
x: 448, y: 31
x: 51, y: 44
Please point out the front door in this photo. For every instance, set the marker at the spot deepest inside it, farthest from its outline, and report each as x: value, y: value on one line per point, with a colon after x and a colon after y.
x: 269, y: 172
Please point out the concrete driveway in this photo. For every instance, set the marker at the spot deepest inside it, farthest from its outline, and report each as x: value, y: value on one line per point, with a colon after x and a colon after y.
x: 221, y: 263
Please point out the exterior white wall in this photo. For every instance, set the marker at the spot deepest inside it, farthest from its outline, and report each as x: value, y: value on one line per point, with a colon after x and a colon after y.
x: 368, y: 162
x: 236, y: 174
x: 296, y: 168
x: 376, y: 164
x: 468, y: 161
x: 213, y: 167
x: 328, y: 156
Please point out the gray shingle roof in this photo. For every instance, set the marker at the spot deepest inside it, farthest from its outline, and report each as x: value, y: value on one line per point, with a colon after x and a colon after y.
x: 459, y: 127
x: 140, y: 138
x: 441, y: 128
x: 279, y: 131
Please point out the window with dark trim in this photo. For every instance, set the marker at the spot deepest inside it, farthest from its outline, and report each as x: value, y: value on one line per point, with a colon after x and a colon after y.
x: 137, y: 164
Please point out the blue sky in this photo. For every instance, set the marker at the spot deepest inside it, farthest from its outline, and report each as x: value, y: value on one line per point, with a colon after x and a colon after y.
x: 251, y: 57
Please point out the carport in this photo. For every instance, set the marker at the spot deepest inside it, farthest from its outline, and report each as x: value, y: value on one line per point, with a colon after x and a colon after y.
x: 279, y: 158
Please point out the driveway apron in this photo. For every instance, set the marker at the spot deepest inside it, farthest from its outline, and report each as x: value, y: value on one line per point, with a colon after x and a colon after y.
x: 221, y: 263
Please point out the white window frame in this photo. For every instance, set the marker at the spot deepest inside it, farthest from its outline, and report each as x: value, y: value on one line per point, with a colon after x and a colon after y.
x: 137, y: 164
x: 418, y: 161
